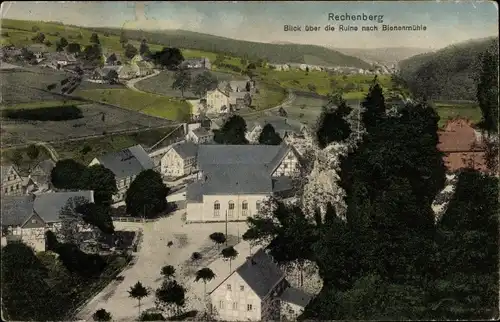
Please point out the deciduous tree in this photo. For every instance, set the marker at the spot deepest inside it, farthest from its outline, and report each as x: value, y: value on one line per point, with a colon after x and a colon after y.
x: 67, y: 174
x: 102, y: 181
x: 147, y: 195
x: 168, y: 271
x: 229, y: 253
x: 130, y: 51
x: 218, y: 238
x: 101, y: 315
x: 204, y: 82
x: 232, y: 132
x: 171, y: 295
x: 182, y: 81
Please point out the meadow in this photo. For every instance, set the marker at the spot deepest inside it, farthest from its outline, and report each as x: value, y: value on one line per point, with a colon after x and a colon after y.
x: 452, y: 109
x: 150, y: 104
x: 162, y: 83
x: 320, y: 82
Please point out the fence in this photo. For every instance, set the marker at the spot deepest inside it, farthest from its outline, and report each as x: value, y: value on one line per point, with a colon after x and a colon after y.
x: 133, y: 219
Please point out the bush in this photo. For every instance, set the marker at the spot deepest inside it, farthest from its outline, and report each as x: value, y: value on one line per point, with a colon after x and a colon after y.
x: 151, y: 316
x: 56, y: 113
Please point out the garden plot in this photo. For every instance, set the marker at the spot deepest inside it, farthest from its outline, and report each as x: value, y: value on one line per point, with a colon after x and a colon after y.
x: 96, y: 119
x: 29, y: 84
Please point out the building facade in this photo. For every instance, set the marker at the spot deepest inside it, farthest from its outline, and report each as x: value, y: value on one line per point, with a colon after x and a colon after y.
x: 12, y: 182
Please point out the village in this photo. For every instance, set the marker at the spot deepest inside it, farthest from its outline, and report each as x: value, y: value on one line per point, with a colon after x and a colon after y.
x: 153, y: 175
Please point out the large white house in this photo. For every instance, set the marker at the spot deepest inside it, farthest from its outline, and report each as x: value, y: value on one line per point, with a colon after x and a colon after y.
x: 234, y: 179
x: 228, y: 95
x: 27, y: 218
x: 255, y: 291
x: 125, y: 165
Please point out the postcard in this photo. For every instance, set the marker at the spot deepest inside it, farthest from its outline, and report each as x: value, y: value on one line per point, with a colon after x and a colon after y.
x: 249, y: 160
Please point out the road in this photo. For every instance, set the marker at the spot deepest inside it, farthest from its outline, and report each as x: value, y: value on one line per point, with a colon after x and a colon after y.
x: 152, y: 255
x: 50, y: 149
x: 131, y: 83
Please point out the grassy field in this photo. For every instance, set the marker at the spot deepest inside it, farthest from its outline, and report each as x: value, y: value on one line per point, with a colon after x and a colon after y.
x: 302, y: 81
x: 150, y: 104
x: 450, y: 110
x: 269, y: 96
x: 99, y: 146
x: 162, y: 83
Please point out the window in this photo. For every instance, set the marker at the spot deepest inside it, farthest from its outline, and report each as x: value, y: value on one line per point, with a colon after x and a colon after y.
x: 228, y: 287
x: 8, y: 178
x: 33, y: 221
x: 235, y: 305
x: 11, y: 188
x: 6, y: 190
x: 285, y: 166
x: 242, y: 288
x: 231, y: 209
x: 17, y: 186
x: 221, y: 304
x: 244, y: 208
x: 258, y: 205
x: 249, y: 307
x: 216, y: 209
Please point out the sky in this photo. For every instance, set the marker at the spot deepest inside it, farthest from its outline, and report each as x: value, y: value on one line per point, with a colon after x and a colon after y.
x: 447, y: 22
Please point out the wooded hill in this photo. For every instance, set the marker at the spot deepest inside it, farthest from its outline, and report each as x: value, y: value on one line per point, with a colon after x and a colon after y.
x: 449, y: 73
x: 275, y: 53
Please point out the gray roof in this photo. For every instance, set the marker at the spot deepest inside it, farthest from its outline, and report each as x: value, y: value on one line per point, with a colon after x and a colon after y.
x: 282, y: 184
x: 236, y: 179
x: 281, y: 125
x: 220, y: 154
x: 238, y: 85
x: 233, y: 96
x: 38, y: 48
x: 127, y: 162
x: 16, y: 209
x: 48, y: 205
x: 201, y: 132
x: 260, y: 273
x: 194, y: 192
x: 296, y: 296
x: 186, y: 149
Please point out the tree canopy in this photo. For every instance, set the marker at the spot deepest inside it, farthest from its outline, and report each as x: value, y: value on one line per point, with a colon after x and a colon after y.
x: 232, y: 132
x: 169, y: 58
x: 102, y: 181
x: 66, y: 174
x: 182, y: 81
x: 204, y: 82
x: 487, y: 89
x: 146, y: 196
x: 268, y: 136
x: 130, y: 51
x: 332, y: 125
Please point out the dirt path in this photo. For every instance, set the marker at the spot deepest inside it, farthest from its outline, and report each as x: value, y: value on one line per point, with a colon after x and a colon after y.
x: 131, y: 83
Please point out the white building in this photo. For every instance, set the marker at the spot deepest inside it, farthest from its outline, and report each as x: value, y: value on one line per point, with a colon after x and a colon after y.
x: 217, y: 101
x: 27, y: 218
x: 234, y: 180
x: 180, y: 160
x: 125, y: 165
x: 199, y: 135
x: 256, y: 290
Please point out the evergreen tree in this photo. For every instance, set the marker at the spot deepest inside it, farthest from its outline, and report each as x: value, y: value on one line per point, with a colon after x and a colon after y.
x: 487, y: 90
x: 268, y: 136
x: 374, y: 106
x: 332, y: 125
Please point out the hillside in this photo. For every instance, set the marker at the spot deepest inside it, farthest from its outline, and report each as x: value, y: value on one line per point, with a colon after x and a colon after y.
x: 388, y: 55
x: 447, y: 74
x: 275, y: 53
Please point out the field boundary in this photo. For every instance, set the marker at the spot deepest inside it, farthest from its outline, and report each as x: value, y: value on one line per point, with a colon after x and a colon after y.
x: 85, y: 137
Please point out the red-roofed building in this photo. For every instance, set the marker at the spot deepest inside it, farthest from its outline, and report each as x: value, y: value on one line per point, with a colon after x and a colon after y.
x: 462, y: 146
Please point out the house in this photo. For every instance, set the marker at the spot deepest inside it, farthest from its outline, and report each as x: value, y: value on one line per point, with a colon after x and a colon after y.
x: 217, y: 101
x: 39, y: 50
x: 233, y: 180
x: 180, y: 160
x: 255, y: 291
x: 12, y: 182
x: 125, y: 165
x: 27, y: 218
x: 197, y: 63
x: 128, y: 72
x: 60, y: 59
x: 199, y: 136
x: 461, y: 146
x: 41, y: 173
x: 100, y: 75
x: 282, y: 126
x: 144, y: 68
